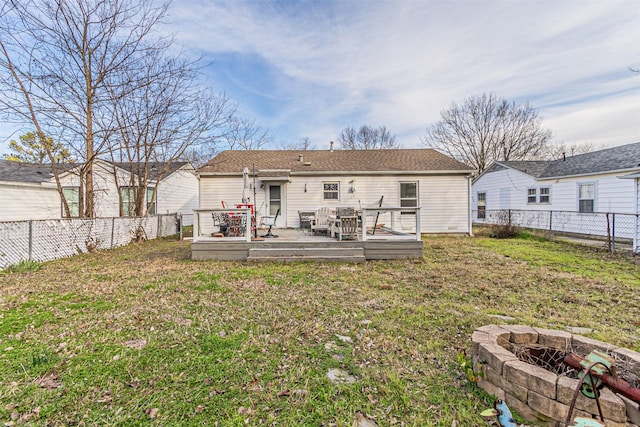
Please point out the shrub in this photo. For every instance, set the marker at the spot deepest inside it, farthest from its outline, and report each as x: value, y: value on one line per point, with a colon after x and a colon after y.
x: 23, y: 266
x: 503, y: 228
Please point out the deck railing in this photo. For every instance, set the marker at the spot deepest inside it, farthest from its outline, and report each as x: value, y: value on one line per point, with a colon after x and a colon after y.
x: 204, y: 224
x: 399, y: 221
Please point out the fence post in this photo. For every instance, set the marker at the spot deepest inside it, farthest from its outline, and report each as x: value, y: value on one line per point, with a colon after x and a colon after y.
x: 113, y: 229
x: 613, y: 233
x: 159, y: 224
x: 180, y: 225
x: 509, y: 213
x: 550, y: 225
x: 30, y: 240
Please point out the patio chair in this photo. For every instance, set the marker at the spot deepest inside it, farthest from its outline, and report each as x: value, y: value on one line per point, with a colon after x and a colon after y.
x: 270, y: 221
x: 321, y: 220
x: 341, y: 212
x: 306, y: 218
x: 237, y: 224
x: 348, y: 227
x: 221, y: 220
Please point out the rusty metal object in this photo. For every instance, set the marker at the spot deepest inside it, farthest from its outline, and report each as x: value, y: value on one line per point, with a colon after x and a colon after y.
x: 616, y: 384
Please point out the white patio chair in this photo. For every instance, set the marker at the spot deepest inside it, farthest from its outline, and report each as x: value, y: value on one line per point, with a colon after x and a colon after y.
x: 321, y: 220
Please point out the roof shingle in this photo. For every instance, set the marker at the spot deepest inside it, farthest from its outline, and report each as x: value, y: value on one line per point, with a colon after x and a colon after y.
x: 397, y: 160
x: 624, y: 157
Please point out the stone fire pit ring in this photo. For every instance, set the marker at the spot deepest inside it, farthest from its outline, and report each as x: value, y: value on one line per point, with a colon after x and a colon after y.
x: 537, y: 394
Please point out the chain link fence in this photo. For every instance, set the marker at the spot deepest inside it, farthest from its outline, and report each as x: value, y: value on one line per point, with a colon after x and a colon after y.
x: 612, y: 228
x: 45, y: 240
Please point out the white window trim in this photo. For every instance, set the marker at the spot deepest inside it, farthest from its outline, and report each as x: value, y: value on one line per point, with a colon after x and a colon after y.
x: 478, y: 204
x: 417, y: 198
x: 595, y: 195
x: 324, y: 192
x: 548, y: 195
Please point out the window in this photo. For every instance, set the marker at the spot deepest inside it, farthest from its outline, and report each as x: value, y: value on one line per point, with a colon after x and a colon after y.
x: 128, y: 201
x: 586, y: 197
x: 482, y: 205
x: 532, y: 195
x: 151, y: 202
x: 72, y: 196
x: 331, y: 190
x: 408, y: 194
x: 545, y: 192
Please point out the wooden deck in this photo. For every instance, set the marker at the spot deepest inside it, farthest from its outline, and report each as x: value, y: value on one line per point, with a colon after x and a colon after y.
x: 299, y: 245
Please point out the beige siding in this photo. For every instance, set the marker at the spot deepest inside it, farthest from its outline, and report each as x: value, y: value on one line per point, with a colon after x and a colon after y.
x: 444, y: 199
x: 445, y: 205
x: 107, y: 202
x: 24, y: 201
x: 178, y: 193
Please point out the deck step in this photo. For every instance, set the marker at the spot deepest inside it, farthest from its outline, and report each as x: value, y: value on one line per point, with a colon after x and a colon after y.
x: 307, y: 254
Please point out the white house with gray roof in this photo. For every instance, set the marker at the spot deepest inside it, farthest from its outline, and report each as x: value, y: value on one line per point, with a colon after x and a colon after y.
x: 28, y: 191
x: 294, y: 180
x: 604, y: 181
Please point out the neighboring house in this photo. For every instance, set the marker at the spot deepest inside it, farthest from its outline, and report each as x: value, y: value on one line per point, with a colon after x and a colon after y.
x: 598, y: 182
x: 292, y: 181
x: 28, y: 191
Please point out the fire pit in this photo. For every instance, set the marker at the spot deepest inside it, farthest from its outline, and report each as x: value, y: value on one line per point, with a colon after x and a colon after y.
x: 523, y: 366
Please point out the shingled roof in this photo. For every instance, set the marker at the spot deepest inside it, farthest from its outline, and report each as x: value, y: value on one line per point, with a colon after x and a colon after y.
x: 38, y: 173
x: 325, y: 161
x: 624, y: 157
x: 156, y: 167
x: 25, y: 172
x: 621, y: 158
x: 534, y: 168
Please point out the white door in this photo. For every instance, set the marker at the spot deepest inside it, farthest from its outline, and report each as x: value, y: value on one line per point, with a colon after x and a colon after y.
x: 275, y: 202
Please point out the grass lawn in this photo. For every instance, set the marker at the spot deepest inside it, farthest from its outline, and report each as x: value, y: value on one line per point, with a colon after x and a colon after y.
x: 142, y: 335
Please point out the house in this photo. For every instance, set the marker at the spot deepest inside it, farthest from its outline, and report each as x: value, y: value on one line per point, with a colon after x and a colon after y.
x: 29, y: 191
x: 293, y: 181
x: 605, y: 181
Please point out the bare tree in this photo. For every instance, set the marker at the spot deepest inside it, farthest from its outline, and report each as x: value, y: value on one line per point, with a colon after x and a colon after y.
x: 485, y: 129
x: 244, y: 134
x: 65, y: 53
x: 29, y: 113
x: 366, y: 138
x: 163, y: 113
x: 304, y: 144
x: 559, y: 151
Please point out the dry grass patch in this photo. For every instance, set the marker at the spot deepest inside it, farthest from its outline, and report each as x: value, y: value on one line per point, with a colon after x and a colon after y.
x: 143, y: 334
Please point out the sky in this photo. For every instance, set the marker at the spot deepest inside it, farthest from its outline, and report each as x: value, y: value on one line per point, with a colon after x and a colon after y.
x: 311, y: 68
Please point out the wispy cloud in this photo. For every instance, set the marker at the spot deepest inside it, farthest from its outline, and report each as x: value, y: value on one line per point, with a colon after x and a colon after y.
x: 311, y: 68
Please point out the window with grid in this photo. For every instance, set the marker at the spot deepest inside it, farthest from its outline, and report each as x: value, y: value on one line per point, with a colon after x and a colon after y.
x: 331, y: 190
x: 482, y: 205
x: 532, y: 195
x: 545, y: 193
x: 72, y: 196
x: 586, y: 197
